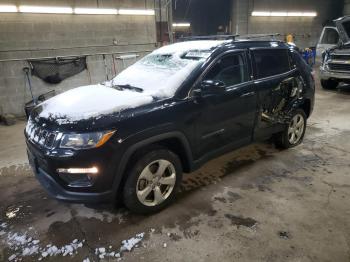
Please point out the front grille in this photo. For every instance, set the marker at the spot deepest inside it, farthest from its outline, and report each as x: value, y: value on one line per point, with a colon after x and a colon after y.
x: 339, y: 67
x: 39, y: 135
x: 340, y: 57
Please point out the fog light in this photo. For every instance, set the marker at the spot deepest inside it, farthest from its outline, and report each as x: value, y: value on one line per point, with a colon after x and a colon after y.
x: 91, y: 170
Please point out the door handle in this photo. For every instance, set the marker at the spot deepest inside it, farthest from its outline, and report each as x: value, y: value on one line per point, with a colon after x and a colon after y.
x: 248, y: 94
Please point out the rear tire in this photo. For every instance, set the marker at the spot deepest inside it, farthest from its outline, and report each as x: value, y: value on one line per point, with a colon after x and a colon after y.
x: 294, y: 131
x: 329, y: 84
x: 152, y: 182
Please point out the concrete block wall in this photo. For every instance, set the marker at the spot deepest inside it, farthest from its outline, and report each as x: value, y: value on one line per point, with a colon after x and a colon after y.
x: 306, y: 29
x: 32, y: 36
x: 346, y: 10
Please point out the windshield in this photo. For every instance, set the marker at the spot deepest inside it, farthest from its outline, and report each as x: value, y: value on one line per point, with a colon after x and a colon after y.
x: 161, y: 74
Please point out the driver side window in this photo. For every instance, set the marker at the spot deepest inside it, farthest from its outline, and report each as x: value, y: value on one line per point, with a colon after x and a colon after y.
x: 230, y: 69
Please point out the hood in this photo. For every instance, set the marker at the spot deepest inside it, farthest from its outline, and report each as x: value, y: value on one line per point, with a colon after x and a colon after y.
x: 343, y: 26
x: 90, y: 102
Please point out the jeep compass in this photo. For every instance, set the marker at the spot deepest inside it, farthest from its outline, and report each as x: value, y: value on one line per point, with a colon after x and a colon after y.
x: 131, y: 138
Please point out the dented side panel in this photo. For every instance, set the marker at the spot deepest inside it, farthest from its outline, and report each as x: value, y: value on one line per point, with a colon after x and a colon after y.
x: 278, y: 96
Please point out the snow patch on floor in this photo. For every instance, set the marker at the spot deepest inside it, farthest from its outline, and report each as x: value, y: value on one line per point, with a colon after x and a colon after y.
x: 127, y: 246
x: 24, y: 245
x: 12, y: 211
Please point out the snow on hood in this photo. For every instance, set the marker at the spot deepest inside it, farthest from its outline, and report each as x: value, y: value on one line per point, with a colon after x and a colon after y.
x: 159, y: 74
x: 91, y: 101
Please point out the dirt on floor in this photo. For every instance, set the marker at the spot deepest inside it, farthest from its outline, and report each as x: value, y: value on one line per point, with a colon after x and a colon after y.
x: 254, y: 204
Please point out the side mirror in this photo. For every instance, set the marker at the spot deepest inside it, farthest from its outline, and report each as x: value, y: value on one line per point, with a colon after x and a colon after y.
x: 212, y: 87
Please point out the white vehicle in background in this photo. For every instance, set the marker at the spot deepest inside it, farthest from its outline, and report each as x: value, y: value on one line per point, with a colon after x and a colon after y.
x: 329, y: 38
x: 335, y: 67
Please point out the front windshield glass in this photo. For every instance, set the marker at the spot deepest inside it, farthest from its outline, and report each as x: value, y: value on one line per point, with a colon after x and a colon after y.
x: 346, y: 26
x: 161, y: 74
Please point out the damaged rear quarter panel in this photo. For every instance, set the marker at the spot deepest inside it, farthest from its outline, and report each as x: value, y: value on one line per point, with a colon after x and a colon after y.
x: 278, y: 97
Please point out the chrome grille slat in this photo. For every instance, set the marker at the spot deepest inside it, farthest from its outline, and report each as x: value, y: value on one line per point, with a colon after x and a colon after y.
x: 339, y: 67
x: 39, y: 135
x: 340, y: 57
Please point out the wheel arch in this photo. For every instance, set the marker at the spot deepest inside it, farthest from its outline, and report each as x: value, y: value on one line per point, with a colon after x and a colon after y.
x: 174, y: 141
x: 306, y: 106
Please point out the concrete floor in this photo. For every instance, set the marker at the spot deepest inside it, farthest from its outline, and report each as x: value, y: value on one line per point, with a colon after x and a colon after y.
x: 255, y: 204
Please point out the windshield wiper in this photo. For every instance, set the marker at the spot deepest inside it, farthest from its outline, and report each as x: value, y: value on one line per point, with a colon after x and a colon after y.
x: 128, y: 87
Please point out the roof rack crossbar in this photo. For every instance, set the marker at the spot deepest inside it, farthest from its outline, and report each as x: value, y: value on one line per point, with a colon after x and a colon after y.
x: 253, y: 36
x: 209, y: 37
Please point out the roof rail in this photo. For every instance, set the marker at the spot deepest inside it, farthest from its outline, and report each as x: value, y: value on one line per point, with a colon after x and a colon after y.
x: 254, y: 36
x: 209, y: 37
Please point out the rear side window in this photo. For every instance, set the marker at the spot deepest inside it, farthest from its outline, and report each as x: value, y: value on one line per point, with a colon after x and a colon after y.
x: 270, y: 62
x: 298, y: 61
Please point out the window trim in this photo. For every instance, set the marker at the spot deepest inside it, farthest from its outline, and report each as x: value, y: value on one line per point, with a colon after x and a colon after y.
x: 255, y: 71
x: 213, y: 63
x: 268, y: 78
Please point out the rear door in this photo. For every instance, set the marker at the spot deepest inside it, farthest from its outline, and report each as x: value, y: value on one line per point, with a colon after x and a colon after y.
x: 275, y: 81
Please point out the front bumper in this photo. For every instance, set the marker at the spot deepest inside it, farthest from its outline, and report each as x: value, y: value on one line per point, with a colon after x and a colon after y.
x: 58, y: 192
x: 44, y: 171
x: 326, y: 74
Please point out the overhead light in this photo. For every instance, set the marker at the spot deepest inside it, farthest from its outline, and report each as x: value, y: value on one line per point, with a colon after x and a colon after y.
x: 92, y: 170
x: 136, y: 12
x: 295, y: 14
x: 279, y: 14
x: 312, y: 14
x: 45, y: 9
x: 181, y: 25
x: 284, y: 14
x: 95, y: 11
x: 8, y: 9
x: 260, y: 13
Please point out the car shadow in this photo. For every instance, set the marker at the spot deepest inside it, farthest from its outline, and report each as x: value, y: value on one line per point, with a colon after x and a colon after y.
x: 343, y: 89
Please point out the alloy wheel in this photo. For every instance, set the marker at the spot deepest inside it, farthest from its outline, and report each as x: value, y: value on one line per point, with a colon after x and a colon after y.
x: 296, y: 129
x: 156, y: 182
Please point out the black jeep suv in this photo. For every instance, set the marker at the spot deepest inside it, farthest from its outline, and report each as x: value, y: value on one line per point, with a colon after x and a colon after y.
x: 178, y: 107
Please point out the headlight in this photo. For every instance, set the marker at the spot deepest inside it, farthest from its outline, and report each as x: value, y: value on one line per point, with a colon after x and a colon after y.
x: 325, y: 58
x: 85, y: 141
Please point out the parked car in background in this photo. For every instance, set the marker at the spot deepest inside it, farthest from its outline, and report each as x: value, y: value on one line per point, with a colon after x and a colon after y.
x: 335, y: 66
x: 169, y: 113
x: 329, y: 38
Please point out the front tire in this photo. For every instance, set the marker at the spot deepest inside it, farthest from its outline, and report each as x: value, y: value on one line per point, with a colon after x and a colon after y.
x: 294, y: 131
x: 329, y: 84
x: 152, y: 183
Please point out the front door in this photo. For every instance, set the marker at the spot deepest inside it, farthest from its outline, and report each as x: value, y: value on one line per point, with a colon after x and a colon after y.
x: 329, y: 38
x: 227, y: 117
